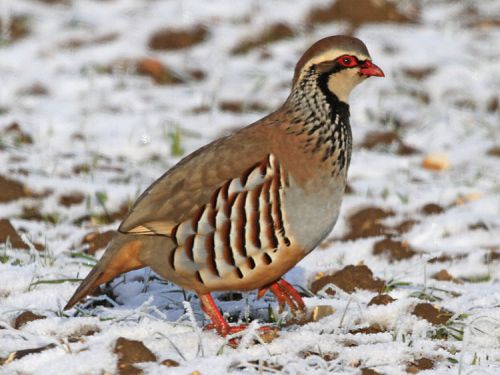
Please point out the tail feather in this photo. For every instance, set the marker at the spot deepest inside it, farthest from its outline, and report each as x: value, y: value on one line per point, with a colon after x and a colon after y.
x: 122, y: 255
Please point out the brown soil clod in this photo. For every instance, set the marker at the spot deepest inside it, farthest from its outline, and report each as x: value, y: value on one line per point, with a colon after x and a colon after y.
x: 157, y: 71
x: 11, y: 190
x: 71, y: 199
x: 26, y: 317
x: 419, y: 73
x: 371, y: 329
x: 376, y: 139
x: 17, y: 28
x: 23, y: 353
x: 405, y: 226
x: 419, y: 365
x: 130, y: 352
x: 8, y: 233
x: 97, y: 241
x: 432, y: 209
x: 432, y: 314
x: 273, y: 33
x: 359, y: 12
x: 397, y: 250
x: 494, y: 151
x: 381, y: 299
x: 367, y: 222
x: 174, y: 39
x: 240, y: 107
x: 443, y: 275
x: 18, y: 135
x: 349, y: 279
x: 369, y: 371
x: 170, y: 363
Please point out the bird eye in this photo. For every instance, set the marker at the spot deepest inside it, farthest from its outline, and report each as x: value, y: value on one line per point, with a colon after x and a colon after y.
x: 347, y: 60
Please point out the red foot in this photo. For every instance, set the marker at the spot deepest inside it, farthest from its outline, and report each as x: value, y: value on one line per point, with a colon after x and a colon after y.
x: 218, y: 322
x: 285, y: 294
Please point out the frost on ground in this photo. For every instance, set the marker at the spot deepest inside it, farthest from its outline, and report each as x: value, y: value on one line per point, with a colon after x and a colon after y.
x: 99, y: 98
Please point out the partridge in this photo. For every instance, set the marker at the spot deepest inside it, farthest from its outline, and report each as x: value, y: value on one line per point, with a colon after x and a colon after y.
x: 240, y: 212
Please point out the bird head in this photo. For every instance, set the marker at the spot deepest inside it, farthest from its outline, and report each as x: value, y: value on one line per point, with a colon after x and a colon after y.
x: 338, y: 64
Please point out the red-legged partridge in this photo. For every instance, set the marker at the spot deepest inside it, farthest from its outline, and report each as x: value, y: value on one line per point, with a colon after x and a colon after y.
x: 240, y: 212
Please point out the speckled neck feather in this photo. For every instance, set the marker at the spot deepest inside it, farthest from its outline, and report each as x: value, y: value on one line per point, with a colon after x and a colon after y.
x: 322, y: 119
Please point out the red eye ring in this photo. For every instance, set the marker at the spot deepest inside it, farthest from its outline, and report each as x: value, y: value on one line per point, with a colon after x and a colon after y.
x: 347, y: 61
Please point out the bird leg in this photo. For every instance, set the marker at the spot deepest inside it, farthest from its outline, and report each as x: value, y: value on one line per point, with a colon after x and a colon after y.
x: 218, y: 322
x: 285, y: 293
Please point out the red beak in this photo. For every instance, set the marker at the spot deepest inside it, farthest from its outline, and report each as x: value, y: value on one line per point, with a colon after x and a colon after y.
x: 370, y: 69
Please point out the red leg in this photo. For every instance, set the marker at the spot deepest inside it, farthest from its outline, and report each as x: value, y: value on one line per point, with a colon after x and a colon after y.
x: 285, y: 294
x: 218, y: 322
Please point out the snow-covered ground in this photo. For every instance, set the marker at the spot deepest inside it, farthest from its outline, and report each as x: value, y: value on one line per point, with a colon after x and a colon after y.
x: 91, y: 134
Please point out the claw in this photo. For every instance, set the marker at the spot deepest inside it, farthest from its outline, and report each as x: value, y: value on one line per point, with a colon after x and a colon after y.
x: 285, y: 294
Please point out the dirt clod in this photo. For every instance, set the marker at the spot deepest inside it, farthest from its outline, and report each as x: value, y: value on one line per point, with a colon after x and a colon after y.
x: 372, y: 328
x: 358, y: 13
x: 369, y: 371
x: 130, y: 352
x: 174, y: 39
x: 11, y: 190
x: 170, y: 363
x: 273, y: 33
x: 8, y: 233
x: 71, y: 199
x: 157, y: 71
x: 419, y: 365
x: 432, y: 209
x: 443, y: 275
x: 367, y: 222
x: 17, y: 28
x: 97, y: 241
x: 431, y: 314
x: 26, y: 317
x: 381, y: 299
x: 23, y: 353
x: 349, y: 279
x: 377, y: 139
x: 235, y: 106
x: 397, y: 250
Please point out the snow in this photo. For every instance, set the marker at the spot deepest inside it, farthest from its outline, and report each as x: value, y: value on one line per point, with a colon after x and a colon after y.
x: 118, y: 124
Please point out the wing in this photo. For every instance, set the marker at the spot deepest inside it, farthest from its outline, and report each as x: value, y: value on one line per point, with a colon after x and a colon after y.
x: 180, y: 192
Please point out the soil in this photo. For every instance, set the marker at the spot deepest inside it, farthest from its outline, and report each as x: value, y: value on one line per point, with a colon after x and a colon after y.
x: 378, y: 139
x: 236, y: 106
x: 273, y: 33
x: 8, y: 233
x: 157, y: 71
x: 364, y: 11
x: 367, y: 222
x: 97, y: 241
x: 369, y: 371
x: 10, y: 190
x: 432, y: 209
x: 130, y: 352
x: 443, y: 275
x: 373, y: 328
x: 419, y: 365
x: 23, y: 353
x: 432, y: 314
x: 26, y: 317
x: 395, y: 249
x: 381, y: 299
x: 71, y: 199
x: 349, y: 279
x: 18, y: 28
x: 170, y: 363
x: 420, y: 73
x: 175, y: 39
